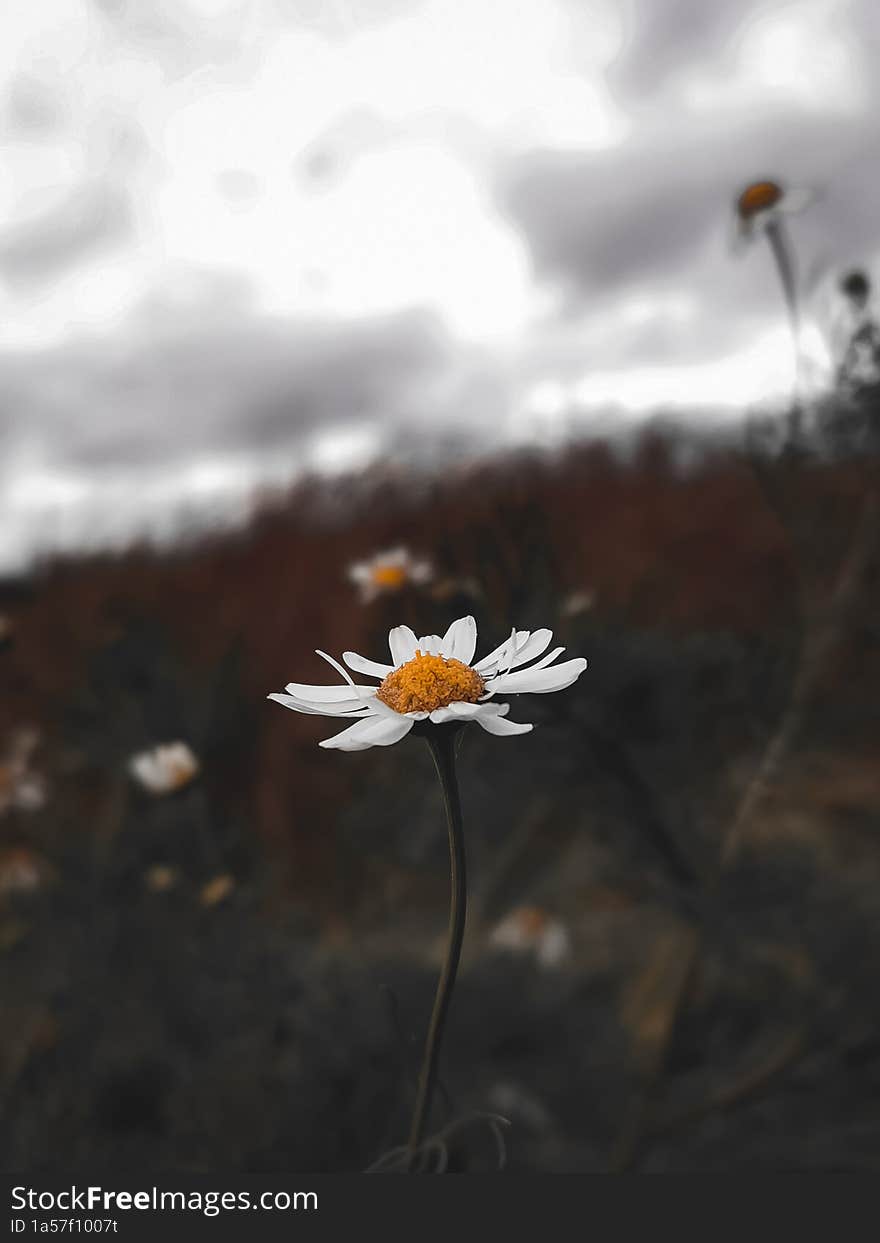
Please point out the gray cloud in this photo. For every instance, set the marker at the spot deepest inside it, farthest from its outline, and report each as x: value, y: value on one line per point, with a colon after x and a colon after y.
x: 341, y: 19
x: 653, y: 216
x: 664, y: 36
x: 217, y: 384
x: 90, y: 219
x: 200, y: 374
x: 32, y: 109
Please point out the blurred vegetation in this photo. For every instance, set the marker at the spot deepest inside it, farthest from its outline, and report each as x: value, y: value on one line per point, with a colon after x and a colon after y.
x: 238, y: 976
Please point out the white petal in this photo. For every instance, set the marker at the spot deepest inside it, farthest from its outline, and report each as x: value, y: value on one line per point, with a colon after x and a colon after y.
x: 345, y: 707
x: 460, y: 640
x: 378, y: 708
x: 343, y: 673
x: 489, y: 663
x: 492, y: 709
x: 495, y: 723
x: 402, y: 643
x: 326, y: 694
x: 439, y: 715
x: 796, y: 199
x: 453, y: 712
x: 538, y: 681
x: 462, y: 711
x: 372, y: 668
x: 431, y: 645
x: 548, y: 659
x: 534, y: 646
x: 373, y: 732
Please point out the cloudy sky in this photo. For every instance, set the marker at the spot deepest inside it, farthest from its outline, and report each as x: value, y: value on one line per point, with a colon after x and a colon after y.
x: 239, y: 238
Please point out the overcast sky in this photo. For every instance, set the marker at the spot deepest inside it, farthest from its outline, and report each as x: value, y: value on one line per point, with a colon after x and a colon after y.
x: 241, y: 237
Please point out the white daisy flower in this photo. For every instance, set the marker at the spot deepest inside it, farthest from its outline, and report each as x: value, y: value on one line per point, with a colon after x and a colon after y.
x: 530, y: 930
x: 432, y: 679
x: 388, y: 572
x: 765, y: 202
x: 165, y: 768
x: 20, y: 787
x: 21, y: 871
x: 577, y: 602
x: 160, y: 878
x: 217, y: 890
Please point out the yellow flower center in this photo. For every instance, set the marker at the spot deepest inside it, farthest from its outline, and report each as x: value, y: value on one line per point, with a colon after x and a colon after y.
x: 531, y: 921
x: 390, y: 576
x: 428, y: 682
x: 758, y: 196
x: 180, y: 772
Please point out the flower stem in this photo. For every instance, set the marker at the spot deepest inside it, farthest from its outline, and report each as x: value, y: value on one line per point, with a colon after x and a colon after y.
x: 783, y: 255
x: 441, y: 741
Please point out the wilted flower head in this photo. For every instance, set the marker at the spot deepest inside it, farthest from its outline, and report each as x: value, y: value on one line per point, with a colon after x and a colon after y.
x: 531, y: 930
x: 855, y: 335
x: 388, y: 572
x: 164, y: 768
x: 856, y: 287
x: 432, y: 679
x: 764, y: 202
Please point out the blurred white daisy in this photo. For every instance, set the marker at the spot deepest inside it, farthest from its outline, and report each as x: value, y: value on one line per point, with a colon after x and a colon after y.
x: 432, y: 679
x: 531, y: 930
x: 21, y: 871
x: 577, y: 602
x: 164, y: 768
x: 21, y: 788
x: 388, y: 572
x: 217, y: 890
x: 766, y: 202
x: 161, y: 877
x: 760, y: 210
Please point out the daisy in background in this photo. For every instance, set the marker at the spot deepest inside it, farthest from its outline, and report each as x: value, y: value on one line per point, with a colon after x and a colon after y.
x: 165, y: 768
x: 760, y: 210
x: 432, y: 679
x: 161, y: 878
x: 21, y: 788
x: 217, y: 890
x: 531, y: 930
x: 388, y: 572
x: 764, y: 203
x: 577, y: 603
x: 447, y: 588
x: 21, y: 871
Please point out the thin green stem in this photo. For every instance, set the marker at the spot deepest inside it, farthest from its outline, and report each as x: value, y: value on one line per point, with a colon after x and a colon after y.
x: 441, y: 741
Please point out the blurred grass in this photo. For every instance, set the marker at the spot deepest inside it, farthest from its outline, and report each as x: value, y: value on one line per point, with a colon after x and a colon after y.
x: 147, y: 1027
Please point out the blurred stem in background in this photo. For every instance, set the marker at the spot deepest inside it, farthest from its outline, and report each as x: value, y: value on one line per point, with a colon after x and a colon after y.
x: 783, y: 255
x: 443, y: 742
x: 761, y: 207
x: 823, y: 635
